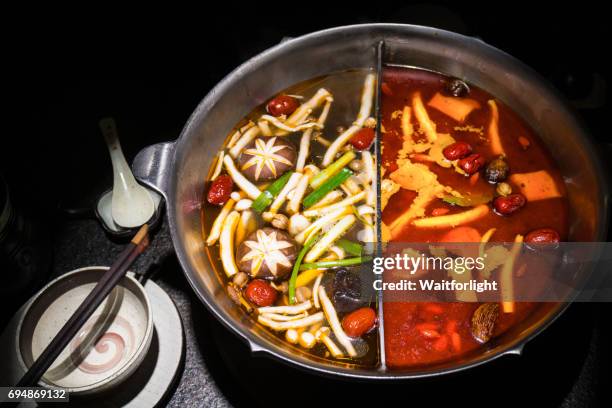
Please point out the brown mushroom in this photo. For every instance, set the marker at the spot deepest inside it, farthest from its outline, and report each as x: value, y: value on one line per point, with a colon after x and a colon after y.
x: 484, y: 320
x: 267, y: 253
x: 267, y: 158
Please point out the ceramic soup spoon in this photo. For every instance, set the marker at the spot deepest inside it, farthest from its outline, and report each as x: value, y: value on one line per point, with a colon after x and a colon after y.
x: 132, y: 205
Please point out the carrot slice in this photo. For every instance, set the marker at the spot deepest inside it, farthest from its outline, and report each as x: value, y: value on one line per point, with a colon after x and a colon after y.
x: 456, y: 108
x: 538, y: 185
x: 496, y: 145
x: 462, y: 234
x: 452, y: 220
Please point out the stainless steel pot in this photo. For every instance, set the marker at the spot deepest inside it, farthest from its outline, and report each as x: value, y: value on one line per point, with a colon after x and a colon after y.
x: 178, y: 169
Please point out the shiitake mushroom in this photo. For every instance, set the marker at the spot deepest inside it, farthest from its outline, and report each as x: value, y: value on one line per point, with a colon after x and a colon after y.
x: 457, y: 87
x: 267, y: 158
x: 268, y: 253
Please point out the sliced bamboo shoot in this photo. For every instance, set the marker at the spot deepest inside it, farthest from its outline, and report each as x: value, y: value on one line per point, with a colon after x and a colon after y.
x: 323, y: 336
x: 332, y: 319
x: 329, y: 238
x: 284, y: 318
x: 218, y: 165
x: 246, y: 225
x: 282, y: 197
x: 295, y: 201
x: 319, y: 224
x: 289, y: 129
x: 292, y: 324
x: 307, y: 107
x: 215, y: 230
x: 246, y: 138
x: 295, y: 309
x: 236, y: 136
x: 226, y: 244
x: 304, y: 150
x: 245, y: 185
x: 332, y: 207
x: 330, y: 198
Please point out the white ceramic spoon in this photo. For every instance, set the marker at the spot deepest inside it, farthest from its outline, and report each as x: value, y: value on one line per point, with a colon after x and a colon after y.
x: 132, y: 205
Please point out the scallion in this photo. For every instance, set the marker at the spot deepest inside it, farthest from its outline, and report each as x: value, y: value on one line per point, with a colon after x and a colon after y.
x: 317, y: 195
x: 265, y: 198
x: 332, y: 169
x: 296, y: 266
x: 350, y: 247
x: 335, y: 263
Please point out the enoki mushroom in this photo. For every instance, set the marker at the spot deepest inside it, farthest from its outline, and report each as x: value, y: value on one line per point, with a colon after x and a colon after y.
x: 292, y: 324
x: 245, y: 185
x: 295, y: 309
x: 226, y: 243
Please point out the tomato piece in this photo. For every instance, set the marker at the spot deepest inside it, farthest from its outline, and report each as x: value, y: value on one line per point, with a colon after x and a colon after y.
x: 462, y: 234
x: 441, y: 344
x: 282, y: 105
x: 220, y: 190
x: 359, y: 322
x: 362, y: 139
x: 261, y: 293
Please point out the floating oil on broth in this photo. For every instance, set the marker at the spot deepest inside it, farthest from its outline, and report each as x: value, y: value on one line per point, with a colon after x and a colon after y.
x: 346, y: 88
x: 418, y: 334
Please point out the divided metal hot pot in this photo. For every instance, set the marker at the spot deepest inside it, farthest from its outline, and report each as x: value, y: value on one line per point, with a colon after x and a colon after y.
x: 178, y: 169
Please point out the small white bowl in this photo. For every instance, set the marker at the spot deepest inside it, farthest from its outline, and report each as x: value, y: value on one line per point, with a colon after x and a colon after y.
x: 121, y: 328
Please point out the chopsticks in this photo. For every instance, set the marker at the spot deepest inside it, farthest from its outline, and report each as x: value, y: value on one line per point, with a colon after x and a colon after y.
x: 106, y: 284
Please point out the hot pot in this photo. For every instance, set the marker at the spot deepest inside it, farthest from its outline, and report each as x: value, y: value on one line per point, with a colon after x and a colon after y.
x: 178, y: 169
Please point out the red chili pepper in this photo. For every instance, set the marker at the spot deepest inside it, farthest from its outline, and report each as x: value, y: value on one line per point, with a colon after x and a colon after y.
x: 362, y: 139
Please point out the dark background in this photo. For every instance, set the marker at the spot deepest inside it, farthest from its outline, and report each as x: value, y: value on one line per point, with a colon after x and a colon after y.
x: 150, y: 73
x: 63, y: 74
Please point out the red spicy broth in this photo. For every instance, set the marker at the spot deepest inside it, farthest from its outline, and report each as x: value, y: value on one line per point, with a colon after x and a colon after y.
x: 424, y: 333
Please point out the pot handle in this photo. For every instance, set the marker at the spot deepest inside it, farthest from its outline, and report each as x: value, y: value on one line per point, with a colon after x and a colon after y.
x: 152, y: 166
x: 517, y: 350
